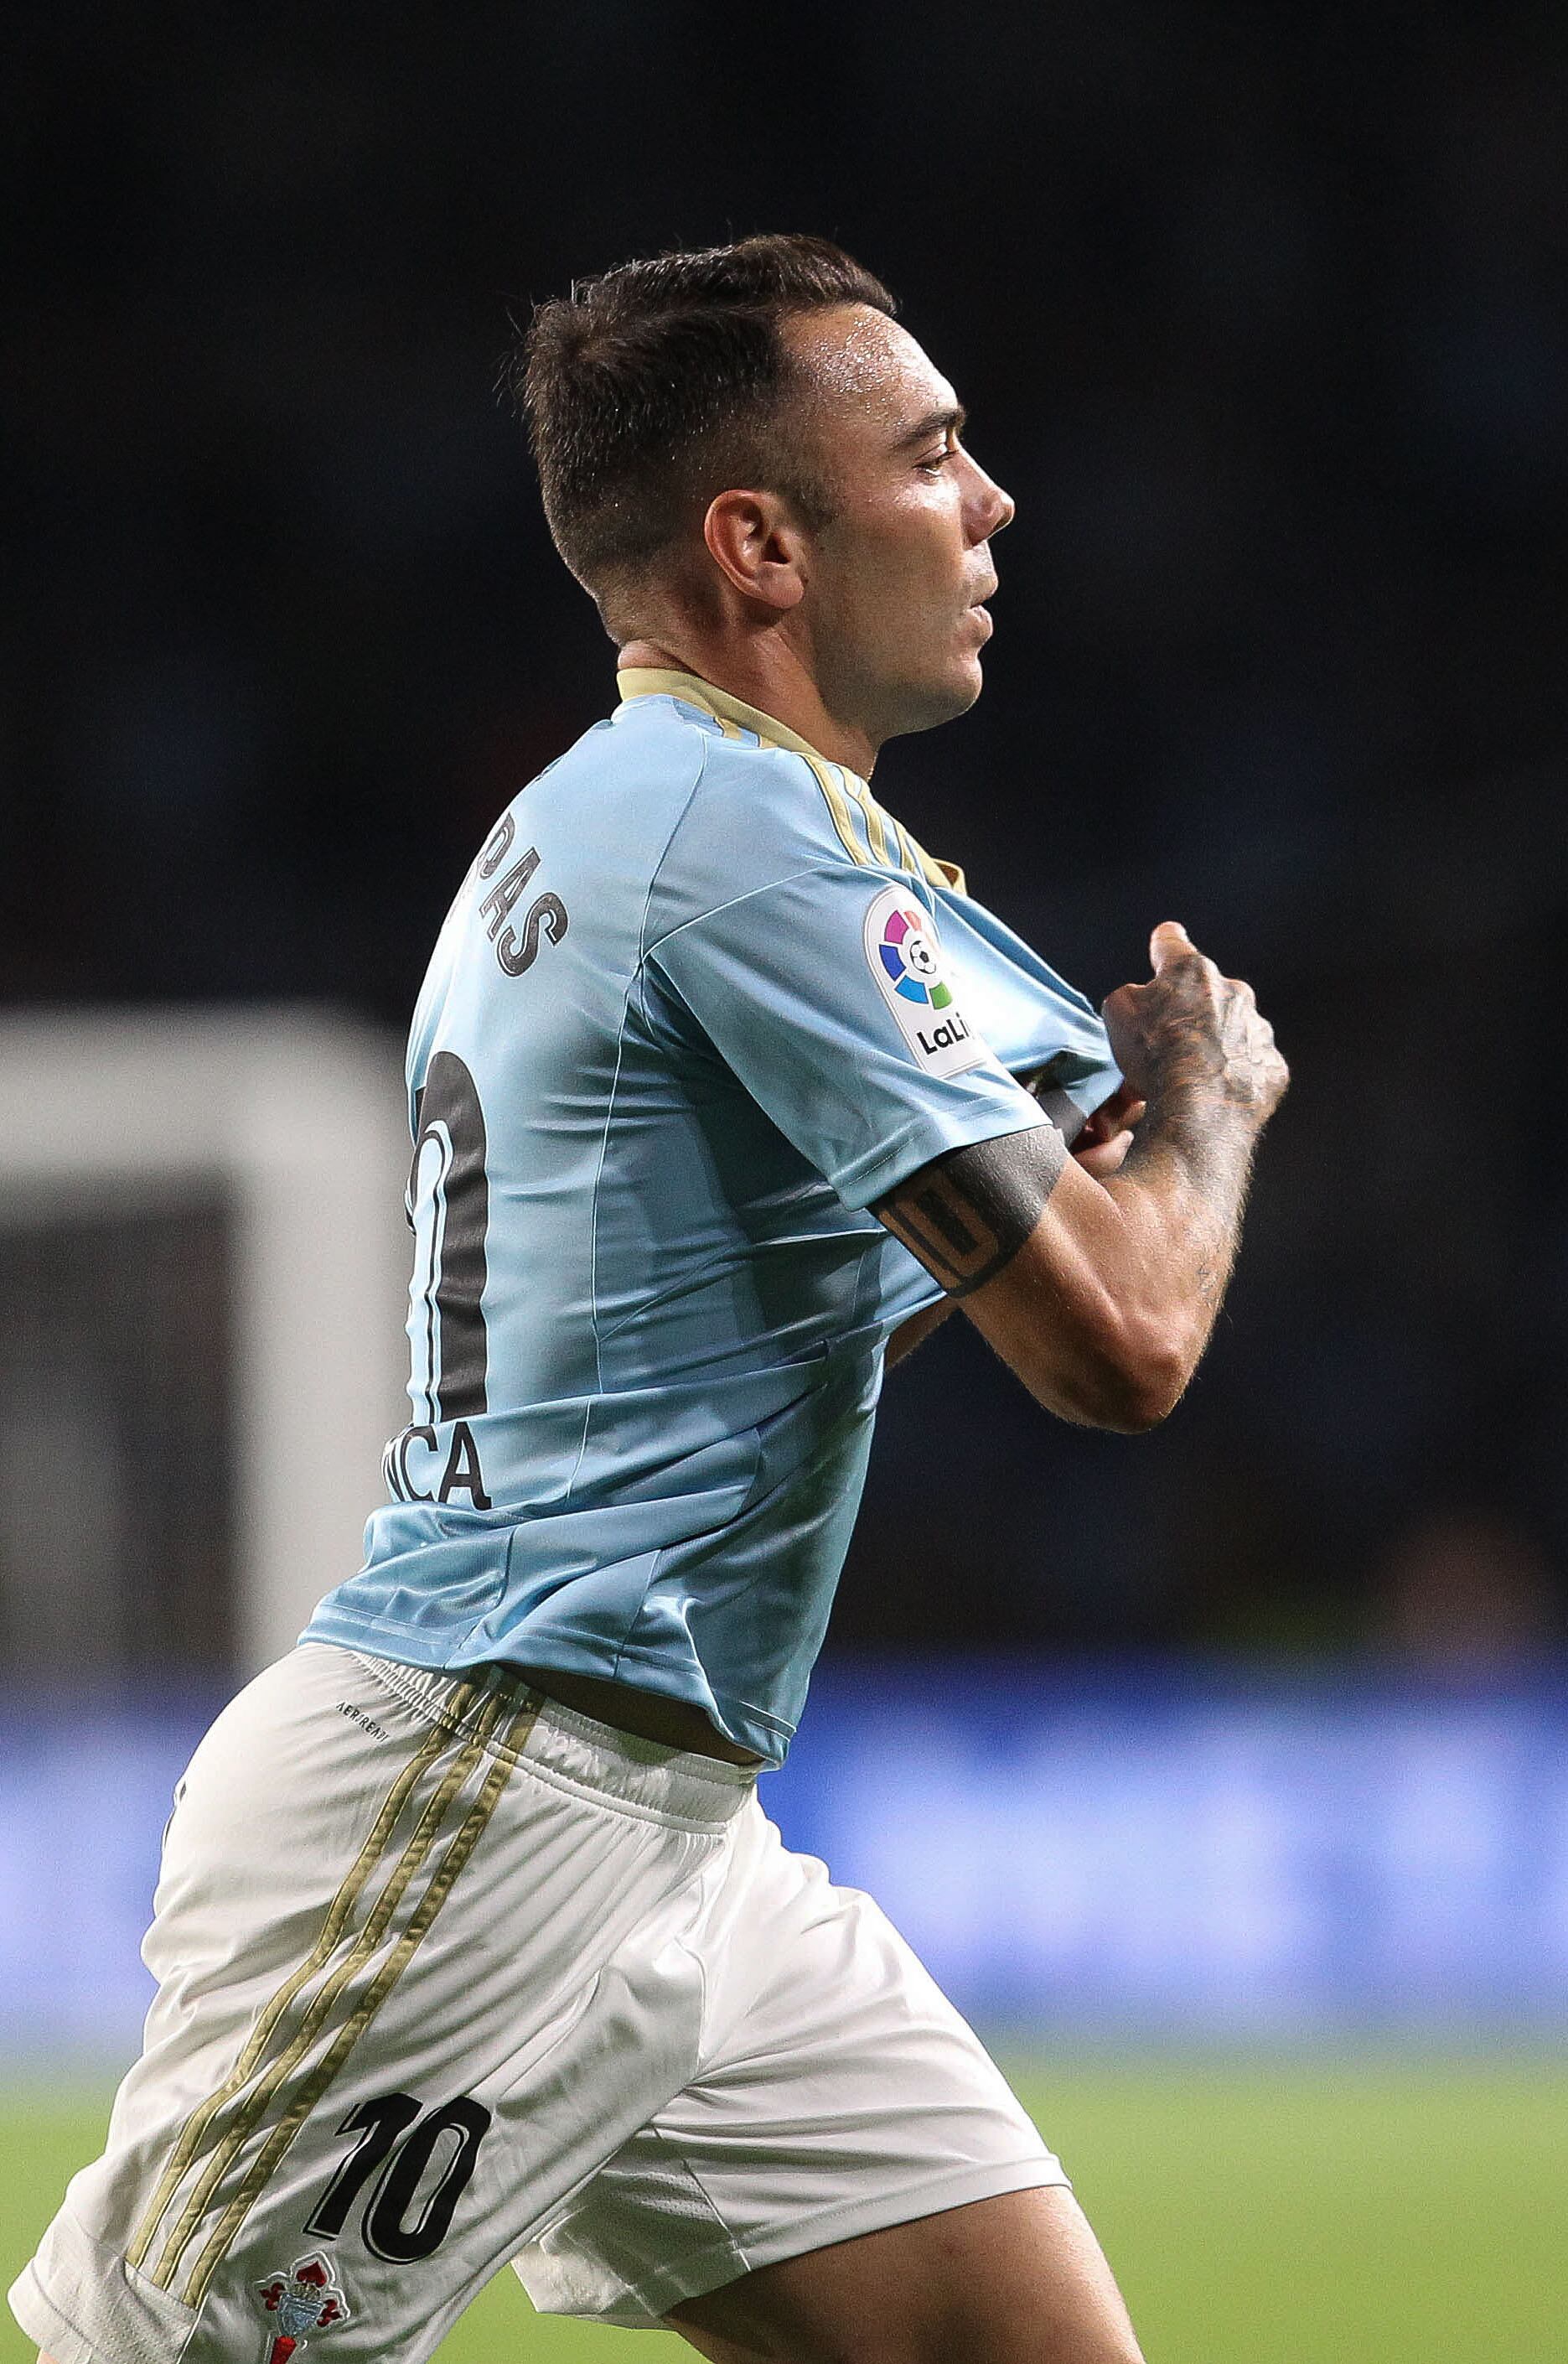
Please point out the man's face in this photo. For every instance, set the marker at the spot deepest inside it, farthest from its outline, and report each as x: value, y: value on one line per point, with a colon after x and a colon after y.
x: 895, y: 583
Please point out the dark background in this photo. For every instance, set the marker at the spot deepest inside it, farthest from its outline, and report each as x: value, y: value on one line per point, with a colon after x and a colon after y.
x: 1260, y: 315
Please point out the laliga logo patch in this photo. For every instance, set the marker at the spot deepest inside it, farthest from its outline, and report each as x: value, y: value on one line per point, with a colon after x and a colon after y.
x: 906, y: 961
x: 908, y: 954
x: 308, y: 2298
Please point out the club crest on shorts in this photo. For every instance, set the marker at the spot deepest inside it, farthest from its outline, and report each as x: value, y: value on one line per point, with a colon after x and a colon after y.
x: 306, y: 2299
x: 906, y: 959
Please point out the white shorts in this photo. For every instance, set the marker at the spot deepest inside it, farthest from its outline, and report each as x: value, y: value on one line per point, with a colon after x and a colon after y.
x: 449, y: 1976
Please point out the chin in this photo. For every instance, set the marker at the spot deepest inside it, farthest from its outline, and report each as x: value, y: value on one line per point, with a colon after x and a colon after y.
x: 962, y: 687
x: 934, y: 697
x: 922, y: 707
x: 974, y: 683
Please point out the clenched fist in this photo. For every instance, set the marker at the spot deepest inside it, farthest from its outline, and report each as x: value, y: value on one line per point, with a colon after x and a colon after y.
x: 1191, y: 1027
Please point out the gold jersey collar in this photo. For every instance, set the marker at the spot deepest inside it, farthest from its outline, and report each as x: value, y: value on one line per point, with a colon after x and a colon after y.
x: 653, y: 681
x: 853, y: 807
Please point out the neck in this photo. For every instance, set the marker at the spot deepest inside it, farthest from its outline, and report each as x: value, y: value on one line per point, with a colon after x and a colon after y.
x: 768, y: 674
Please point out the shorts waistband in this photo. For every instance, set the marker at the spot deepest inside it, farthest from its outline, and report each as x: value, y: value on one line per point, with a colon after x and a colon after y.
x: 670, y: 1784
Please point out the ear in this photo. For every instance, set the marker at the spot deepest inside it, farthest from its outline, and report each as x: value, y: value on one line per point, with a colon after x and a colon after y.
x: 756, y: 544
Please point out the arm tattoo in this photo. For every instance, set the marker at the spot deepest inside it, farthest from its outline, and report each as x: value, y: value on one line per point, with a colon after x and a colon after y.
x: 969, y: 1212
x: 1211, y: 1143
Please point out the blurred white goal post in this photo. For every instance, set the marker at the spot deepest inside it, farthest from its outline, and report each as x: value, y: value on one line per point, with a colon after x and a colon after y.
x: 295, y: 1120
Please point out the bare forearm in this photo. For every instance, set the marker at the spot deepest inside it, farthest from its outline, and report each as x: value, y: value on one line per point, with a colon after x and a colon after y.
x: 1097, y: 1277
x: 1210, y: 1073
x: 1100, y: 1292
x: 1181, y: 1192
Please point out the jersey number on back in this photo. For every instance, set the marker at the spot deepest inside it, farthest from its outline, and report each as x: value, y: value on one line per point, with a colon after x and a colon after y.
x: 448, y: 1196
x: 448, y: 1205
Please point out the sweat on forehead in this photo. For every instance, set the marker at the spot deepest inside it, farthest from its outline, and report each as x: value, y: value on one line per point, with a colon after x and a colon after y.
x: 859, y: 359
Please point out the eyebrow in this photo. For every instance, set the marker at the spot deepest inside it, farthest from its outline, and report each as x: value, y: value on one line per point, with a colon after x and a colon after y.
x: 951, y: 419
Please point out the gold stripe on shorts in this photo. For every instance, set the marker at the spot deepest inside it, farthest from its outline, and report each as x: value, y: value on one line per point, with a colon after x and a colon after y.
x: 308, y: 2094
x: 342, y: 1905
x: 253, y: 2104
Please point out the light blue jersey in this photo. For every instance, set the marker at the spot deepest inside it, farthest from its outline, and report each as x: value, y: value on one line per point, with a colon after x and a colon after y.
x: 698, y: 1003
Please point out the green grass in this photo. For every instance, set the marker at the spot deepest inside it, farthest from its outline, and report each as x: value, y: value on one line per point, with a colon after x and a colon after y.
x: 1256, y: 2212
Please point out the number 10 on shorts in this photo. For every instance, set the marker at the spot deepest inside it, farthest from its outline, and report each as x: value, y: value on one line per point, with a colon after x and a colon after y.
x: 398, y: 2149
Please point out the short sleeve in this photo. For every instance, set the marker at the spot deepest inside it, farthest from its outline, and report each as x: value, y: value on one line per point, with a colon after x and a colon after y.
x: 828, y: 994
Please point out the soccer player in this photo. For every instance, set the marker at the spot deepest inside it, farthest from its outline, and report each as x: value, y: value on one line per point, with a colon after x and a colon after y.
x: 472, y: 1941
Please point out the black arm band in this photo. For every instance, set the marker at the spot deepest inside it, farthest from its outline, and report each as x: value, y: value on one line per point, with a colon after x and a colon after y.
x: 967, y: 1214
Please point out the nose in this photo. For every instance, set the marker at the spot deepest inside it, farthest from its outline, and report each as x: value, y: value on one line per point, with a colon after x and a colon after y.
x: 991, y: 509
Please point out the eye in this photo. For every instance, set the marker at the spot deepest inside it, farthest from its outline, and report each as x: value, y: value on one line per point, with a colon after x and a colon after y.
x: 937, y: 461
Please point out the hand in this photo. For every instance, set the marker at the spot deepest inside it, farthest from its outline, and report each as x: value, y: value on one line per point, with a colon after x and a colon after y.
x: 1102, y: 1145
x: 1191, y: 1026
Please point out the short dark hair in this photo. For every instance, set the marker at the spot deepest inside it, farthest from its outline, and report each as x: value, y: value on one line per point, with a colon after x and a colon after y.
x: 652, y: 388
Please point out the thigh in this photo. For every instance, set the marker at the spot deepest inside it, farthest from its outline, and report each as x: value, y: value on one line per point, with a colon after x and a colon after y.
x: 1016, y: 2279
x: 394, y: 1948
x: 838, y: 2093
